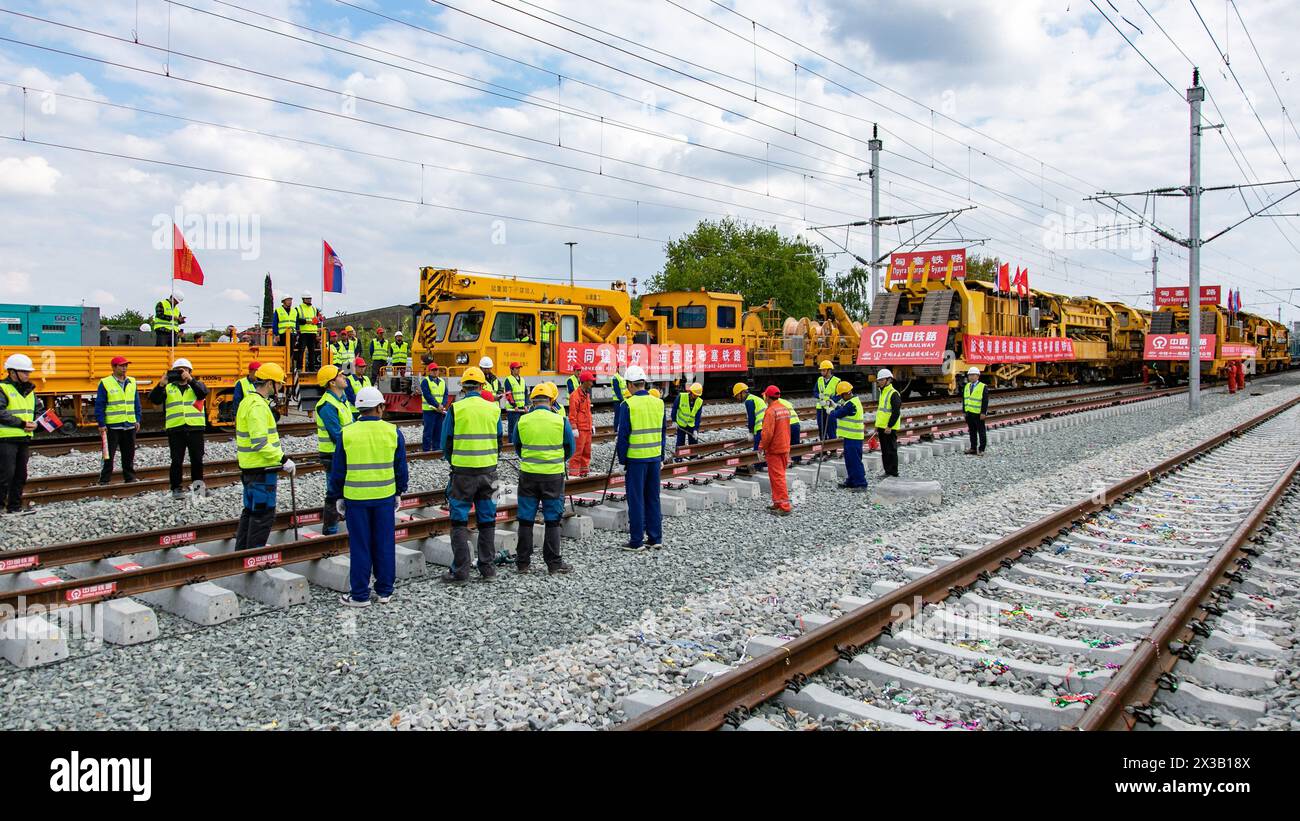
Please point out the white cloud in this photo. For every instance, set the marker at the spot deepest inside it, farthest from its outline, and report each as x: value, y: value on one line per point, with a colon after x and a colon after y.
x: 102, y: 298
x: 15, y: 283
x: 235, y: 295
x: 33, y: 175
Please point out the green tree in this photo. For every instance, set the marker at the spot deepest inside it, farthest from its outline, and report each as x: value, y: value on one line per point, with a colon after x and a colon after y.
x: 852, y: 290
x: 268, y: 304
x: 983, y: 269
x: 128, y: 320
x: 750, y: 260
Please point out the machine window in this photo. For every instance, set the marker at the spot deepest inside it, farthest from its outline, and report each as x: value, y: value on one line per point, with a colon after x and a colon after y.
x: 666, y: 313
x: 512, y: 327
x: 440, y: 322
x: 726, y: 316
x: 467, y: 327
x: 568, y: 329
x: 692, y: 316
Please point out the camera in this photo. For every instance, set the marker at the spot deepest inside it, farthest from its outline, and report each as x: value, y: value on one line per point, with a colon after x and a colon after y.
x: 174, y: 376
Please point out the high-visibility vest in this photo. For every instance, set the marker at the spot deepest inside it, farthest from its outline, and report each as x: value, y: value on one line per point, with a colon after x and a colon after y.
x: 380, y: 350
x: 646, y: 420
x: 248, y: 387
x: 257, y: 442
x: 437, y: 387
x: 541, y: 442
x: 852, y: 426
x: 882, y: 410
x: 760, y: 407
x: 358, y: 382
x: 179, y: 408
x: 399, y: 352
x: 324, y: 443
x: 548, y: 328
x: 515, y: 392
x: 371, y: 447
x: 285, y: 321
x: 973, y: 393
x: 621, y: 383
x: 686, y: 412
x: 826, y: 391
x: 474, y: 432
x: 794, y: 417
x: 119, y: 401
x: 307, y: 319
x: 344, y: 351
x: 171, y: 318
x: 23, y: 407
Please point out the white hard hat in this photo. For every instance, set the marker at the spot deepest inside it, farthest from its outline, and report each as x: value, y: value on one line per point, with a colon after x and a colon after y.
x: 884, y: 373
x: 145, y: 326
x: 634, y: 374
x: 485, y: 362
x: 306, y: 295
x: 19, y: 362
x: 369, y: 397
x: 973, y: 370
x: 399, y: 333
x: 178, y: 296
x: 183, y: 363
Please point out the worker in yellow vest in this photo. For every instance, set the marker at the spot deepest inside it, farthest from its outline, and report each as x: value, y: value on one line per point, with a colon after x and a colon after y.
x: 514, y: 397
x: 826, y: 394
x: 548, y: 340
x: 380, y: 353
x: 433, y: 407
x: 640, y: 427
x: 182, y: 399
x: 244, y: 386
x: 261, y: 459
x: 367, y: 475
x: 308, y: 327
x: 167, y: 320
x: 401, y: 352
x: 544, y: 441
x: 889, y: 419
x: 471, y: 442
x: 117, y: 412
x: 286, y: 322
x: 849, y: 420
x: 755, y: 409
x: 688, y: 410
x: 357, y: 380
x: 19, y: 409
x: 975, y: 402
x: 345, y: 350
x: 333, y: 414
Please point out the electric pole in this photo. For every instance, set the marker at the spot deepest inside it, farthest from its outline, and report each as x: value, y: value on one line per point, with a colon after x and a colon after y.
x: 1155, y: 264
x: 1195, y: 96
x: 875, y: 145
x: 570, y: 244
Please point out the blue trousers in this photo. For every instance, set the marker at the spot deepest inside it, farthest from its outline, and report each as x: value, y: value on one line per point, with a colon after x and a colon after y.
x: 794, y: 440
x: 432, y: 430
x: 643, y: 514
x: 372, y: 546
x: 853, y: 462
x: 512, y: 421
x: 685, y: 434
x: 758, y: 440
x: 825, y: 425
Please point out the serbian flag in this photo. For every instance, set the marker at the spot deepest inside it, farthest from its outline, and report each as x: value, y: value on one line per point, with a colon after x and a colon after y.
x: 184, y: 265
x: 49, y: 421
x: 331, y: 270
x: 1004, y: 278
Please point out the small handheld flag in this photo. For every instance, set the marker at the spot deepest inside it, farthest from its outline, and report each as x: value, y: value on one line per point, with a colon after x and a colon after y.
x: 49, y: 421
x: 184, y: 264
x: 331, y: 270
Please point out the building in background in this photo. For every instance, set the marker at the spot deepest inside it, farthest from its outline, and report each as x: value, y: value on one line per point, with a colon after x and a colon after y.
x: 391, y: 318
x: 48, y: 325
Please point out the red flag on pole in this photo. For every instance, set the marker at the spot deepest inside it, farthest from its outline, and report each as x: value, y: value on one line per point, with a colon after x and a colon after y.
x: 1022, y: 281
x: 1004, y: 278
x: 184, y: 265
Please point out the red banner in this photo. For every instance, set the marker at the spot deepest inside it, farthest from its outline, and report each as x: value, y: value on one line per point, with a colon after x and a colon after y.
x: 903, y: 345
x: 927, y: 265
x: 1236, y: 350
x: 657, y: 360
x: 1176, y: 347
x: 989, y: 350
x: 1210, y: 295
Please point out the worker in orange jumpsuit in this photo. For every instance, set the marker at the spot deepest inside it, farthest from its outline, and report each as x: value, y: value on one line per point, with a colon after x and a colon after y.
x: 774, y: 444
x: 583, y: 424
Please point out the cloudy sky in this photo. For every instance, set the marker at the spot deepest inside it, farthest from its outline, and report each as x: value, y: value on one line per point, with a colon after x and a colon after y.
x: 484, y: 134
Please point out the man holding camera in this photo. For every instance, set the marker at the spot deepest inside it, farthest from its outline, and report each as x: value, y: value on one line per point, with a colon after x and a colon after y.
x: 181, y: 397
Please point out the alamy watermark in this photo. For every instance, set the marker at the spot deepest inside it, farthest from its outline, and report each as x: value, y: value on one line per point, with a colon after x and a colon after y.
x: 211, y: 232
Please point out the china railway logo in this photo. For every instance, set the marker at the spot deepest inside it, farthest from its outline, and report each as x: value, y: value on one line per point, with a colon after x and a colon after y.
x: 18, y: 564
x: 266, y: 559
x: 1159, y: 342
x: 879, y: 338
x: 91, y: 591
x: 170, y: 539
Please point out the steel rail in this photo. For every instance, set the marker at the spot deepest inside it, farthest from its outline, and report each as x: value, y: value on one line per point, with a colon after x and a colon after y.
x: 707, y: 705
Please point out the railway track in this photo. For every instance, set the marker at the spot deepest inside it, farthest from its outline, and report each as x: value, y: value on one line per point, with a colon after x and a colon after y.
x: 1128, y: 609
x: 917, y: 424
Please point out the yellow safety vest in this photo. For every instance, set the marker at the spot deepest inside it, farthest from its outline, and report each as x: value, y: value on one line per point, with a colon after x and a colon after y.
x: 882, y: 411
x: 380, y: 350
x: 541, y: 442
x: 344, y: 351
x: 285, y: 321
x: 974, y: 397
x: 548, y: 328
x: 515, y: 392
x: 23, y: 407
x: 307, y: 319
x: 621, y: 383
x: 826, y: 391
x: 248, y: 387
x: 686, y: 412
x: 371, y: 447
x: 324, y: 443
x: 119, y: 401
x: 852, y: 427
x: 171, y: 319
x: 358, y: 382
x: 794, y: 417
x: 399, y: 352
x: 760, y: 408
x: 257, y: 441
x: 179, y: 408
x: 646, y: 421
x: 437, y: 387
x: 474, y: 432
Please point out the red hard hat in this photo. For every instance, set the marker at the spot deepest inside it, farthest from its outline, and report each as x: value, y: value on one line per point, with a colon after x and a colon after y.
x: 254, y: 365
x: 120, y: 360
x: 515, y: 365
x: 586, y: 376
x: 359, y: 362
x: 772, y: 390
x: 434, y: 366
x: 334, y: 334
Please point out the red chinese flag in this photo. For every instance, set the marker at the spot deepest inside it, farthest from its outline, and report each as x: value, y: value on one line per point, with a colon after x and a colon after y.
x: 184, y: 265
x: 1004, y: 278
x: 1022, y: 281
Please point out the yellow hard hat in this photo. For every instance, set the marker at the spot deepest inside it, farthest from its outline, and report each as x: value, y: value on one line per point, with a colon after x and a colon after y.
x: 655, y: 393
x: 738, y: 387
x: 552, y: 390
x: 696, y: 388
x: 270, y: 371
x: 349, y: 329
x: 544, y: 390
x: 473, y: 375
x: 327, y: 375
x: 843, y: 388
x: 827, y: 365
